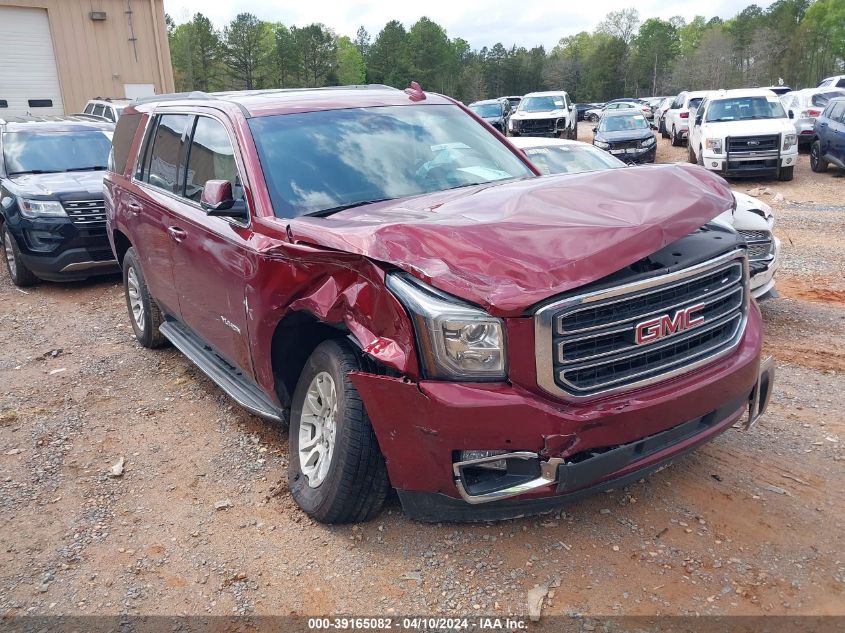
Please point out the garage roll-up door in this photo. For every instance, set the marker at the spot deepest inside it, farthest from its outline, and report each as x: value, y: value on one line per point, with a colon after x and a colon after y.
x: 29, y: 81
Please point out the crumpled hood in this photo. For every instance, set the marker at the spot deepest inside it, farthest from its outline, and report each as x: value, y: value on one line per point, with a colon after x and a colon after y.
x: 53, y: 185
x: 509, y: 246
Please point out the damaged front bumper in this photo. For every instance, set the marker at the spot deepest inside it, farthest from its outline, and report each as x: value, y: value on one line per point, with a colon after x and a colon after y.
x: 544, y: 453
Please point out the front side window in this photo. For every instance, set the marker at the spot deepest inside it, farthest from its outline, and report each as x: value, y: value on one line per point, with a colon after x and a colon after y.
x: 320, y: 162
x: 50, y: 152
x: 165, y: 152
x: 109, y: 114
x: 837, y: 113
x: 210, y: 157
x: 745, y: 109
x: 571, y: 159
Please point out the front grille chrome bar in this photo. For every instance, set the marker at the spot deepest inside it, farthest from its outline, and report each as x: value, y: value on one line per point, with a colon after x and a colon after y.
x: 607, y: 356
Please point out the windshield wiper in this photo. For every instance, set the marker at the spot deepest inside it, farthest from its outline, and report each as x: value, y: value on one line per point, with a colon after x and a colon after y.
x: 343, y: 207
x: 92, y: 168
x: 29, y: 171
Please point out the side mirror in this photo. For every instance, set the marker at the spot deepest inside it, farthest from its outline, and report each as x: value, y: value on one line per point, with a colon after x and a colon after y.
x: 791, y: 114
x: 217, y: 200
x: 595, y: 129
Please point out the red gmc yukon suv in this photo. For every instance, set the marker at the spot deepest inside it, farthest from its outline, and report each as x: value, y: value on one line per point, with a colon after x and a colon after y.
x: 382, y: 270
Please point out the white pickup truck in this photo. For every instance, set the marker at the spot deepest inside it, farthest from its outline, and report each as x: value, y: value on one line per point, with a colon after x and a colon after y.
x: 743, y: 133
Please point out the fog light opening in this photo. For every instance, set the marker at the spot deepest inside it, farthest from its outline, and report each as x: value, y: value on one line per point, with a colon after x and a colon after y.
x: 499, y: 464
x: 714, y: 164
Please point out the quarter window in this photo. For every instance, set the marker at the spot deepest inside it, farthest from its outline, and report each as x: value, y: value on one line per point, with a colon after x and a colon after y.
x: 164, y: 154
x: 89, y: 109
x: 211, y: 157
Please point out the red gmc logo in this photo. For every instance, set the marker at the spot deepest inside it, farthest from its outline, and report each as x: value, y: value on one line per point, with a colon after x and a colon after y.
x: 663, y: 326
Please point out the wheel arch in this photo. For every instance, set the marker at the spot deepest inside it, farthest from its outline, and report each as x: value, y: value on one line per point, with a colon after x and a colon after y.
x: 121, y: 244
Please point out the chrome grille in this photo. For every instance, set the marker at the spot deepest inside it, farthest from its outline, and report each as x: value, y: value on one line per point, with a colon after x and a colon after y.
x: 760, y: 244
x: 86, y: 212
x: 741, y: 144
x: 587, y: 345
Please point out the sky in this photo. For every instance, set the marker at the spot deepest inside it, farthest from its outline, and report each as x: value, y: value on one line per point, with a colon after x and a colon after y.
x: 480, y: 22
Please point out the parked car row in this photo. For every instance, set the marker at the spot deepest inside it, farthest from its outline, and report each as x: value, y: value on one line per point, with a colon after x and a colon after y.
x: 430, y: 308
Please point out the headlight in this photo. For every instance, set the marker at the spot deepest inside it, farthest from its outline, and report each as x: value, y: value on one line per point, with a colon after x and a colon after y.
x: 648, y: 142
x: 789, y: 140
x: 601, y: 144
x: 456, y: 341
x: 41, y: 208
x: 714, y: 144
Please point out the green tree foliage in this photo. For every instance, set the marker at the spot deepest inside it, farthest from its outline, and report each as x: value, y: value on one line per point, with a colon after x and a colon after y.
x: 797, y: 41
x: 247, y: 46
x: 350, y: 63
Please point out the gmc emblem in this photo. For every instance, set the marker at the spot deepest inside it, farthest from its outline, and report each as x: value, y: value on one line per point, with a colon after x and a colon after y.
x: 663, y: 326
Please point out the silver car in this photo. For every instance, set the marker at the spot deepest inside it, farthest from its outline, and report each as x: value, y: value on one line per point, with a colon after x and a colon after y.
x: 803, y: 106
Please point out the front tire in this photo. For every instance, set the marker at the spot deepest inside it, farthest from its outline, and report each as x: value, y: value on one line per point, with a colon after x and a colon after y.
x: 786, y: 173
x: 144, y: 313
x: 817, y: 163
x: 20, y: 275
x: 336, y: 471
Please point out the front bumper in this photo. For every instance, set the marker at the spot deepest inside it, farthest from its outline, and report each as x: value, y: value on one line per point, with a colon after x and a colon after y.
x: 423, y: 427
x: 57, y: 250
x: 636, y: 155
x: 746, y: 165
x: 763, y: 273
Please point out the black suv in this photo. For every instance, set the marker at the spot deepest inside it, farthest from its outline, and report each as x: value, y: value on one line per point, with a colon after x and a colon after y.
x: 52, y: 213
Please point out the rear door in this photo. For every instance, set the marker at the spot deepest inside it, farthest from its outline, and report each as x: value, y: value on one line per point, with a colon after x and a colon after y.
x: 837, y: 132
x: 151, y: 202
x: 211, y: 257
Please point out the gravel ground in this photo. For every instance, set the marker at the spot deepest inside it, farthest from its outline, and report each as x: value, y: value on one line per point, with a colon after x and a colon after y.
x: 199, y: 521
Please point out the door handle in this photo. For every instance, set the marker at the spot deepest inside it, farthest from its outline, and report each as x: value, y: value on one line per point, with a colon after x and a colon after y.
x: 176, y: 234
x: 134, y: 208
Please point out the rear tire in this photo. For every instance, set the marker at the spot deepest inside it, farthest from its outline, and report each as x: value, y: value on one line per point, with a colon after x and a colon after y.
x: 786, y: 173
x: 20, y: 275
x: 144, y: 313
x: 352, y: 484
x: 817, y: 163
x: 675, y: 140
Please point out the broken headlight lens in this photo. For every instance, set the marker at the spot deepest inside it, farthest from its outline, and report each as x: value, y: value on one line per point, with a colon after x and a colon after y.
x: 457, y: 341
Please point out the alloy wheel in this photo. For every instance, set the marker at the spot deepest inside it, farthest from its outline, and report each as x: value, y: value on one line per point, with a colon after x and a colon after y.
x: 318, y: 429
x: 8, y: 249
x: 136, y: 303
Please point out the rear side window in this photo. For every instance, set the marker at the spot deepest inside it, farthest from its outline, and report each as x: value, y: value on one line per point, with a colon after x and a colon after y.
x: 165, y: 152
x: 109, y: 114
x: 210, y: 157
x: 124, y: 134
x: 98, y: 110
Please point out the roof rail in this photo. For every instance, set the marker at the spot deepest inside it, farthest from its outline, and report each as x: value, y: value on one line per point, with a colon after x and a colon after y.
x: 175, y: 96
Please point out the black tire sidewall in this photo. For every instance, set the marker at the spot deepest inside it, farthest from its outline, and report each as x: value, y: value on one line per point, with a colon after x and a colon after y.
x: 145, y: 336
x: 329, y: 358
x: 23, y: 277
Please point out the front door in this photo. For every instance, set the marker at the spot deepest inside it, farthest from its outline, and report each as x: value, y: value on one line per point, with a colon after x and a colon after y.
x: 211, y: 255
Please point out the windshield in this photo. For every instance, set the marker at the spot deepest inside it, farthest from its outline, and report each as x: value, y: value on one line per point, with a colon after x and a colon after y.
x: 317, y: 162
x: 821, y: 99
x: 621, y: 123
x: 745, y: 108
x: 47, y: 152
x: 541, y: 104
x: 571, y: 159
x: 487, y: 110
